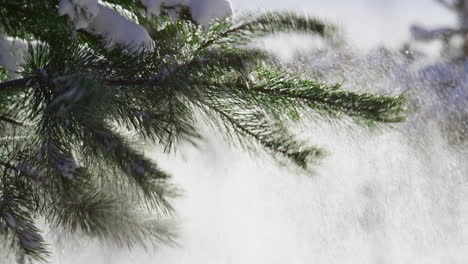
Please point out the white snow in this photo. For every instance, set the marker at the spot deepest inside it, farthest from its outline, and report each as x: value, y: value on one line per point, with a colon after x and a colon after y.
x: 80, y: 12
x: 7, y: 58
x: 11, y: 54
x: 97, y: 19
x: 204, y: 11
x: 115, y: 29
x: 153, y: 7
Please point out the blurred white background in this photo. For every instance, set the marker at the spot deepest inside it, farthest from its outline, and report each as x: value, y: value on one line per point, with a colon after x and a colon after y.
x: 367, y: 23
x: 380, y: 197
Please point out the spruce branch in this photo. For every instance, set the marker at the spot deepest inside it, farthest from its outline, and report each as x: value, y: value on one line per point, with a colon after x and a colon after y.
x: 319, y: 96
x: 139, y: 170
x: 270, y: 136
x: 103, y: 216
x: 216, y: 59
x: 80, y: 169
x: 252, y: 27
x: 17, y: 216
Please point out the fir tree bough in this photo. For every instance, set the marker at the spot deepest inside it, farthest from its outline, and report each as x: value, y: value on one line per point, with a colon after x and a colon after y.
x: 69, y: 116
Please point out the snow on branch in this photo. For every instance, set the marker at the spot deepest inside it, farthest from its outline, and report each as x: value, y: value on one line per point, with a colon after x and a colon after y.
x: 117, y: 30
x: 203, y: 11
x: 80, y: 12
x: 100, y: 20
x: 11, y: 54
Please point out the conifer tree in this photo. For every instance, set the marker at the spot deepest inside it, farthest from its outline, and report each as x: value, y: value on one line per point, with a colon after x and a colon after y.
x: 97, y: 77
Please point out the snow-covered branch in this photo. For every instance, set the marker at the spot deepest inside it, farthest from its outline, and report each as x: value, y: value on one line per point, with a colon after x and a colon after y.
x: 100, y: 20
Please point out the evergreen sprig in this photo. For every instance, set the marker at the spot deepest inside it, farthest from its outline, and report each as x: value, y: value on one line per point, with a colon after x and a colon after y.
x: 66, y: 156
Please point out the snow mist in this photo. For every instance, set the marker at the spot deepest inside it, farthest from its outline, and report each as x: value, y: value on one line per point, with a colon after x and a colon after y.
x: 387, y: 194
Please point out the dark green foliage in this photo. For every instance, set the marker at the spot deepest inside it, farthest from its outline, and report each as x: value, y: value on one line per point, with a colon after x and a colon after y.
x: 66, y: 156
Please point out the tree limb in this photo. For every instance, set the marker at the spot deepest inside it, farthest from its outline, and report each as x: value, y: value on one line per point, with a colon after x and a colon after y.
x: 159, y: 77
x: 18, y: 83
x: 13, y: 84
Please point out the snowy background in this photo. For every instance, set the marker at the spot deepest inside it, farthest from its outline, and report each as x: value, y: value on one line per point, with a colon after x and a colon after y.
x: 367, y: 23
x: 395, y: 195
